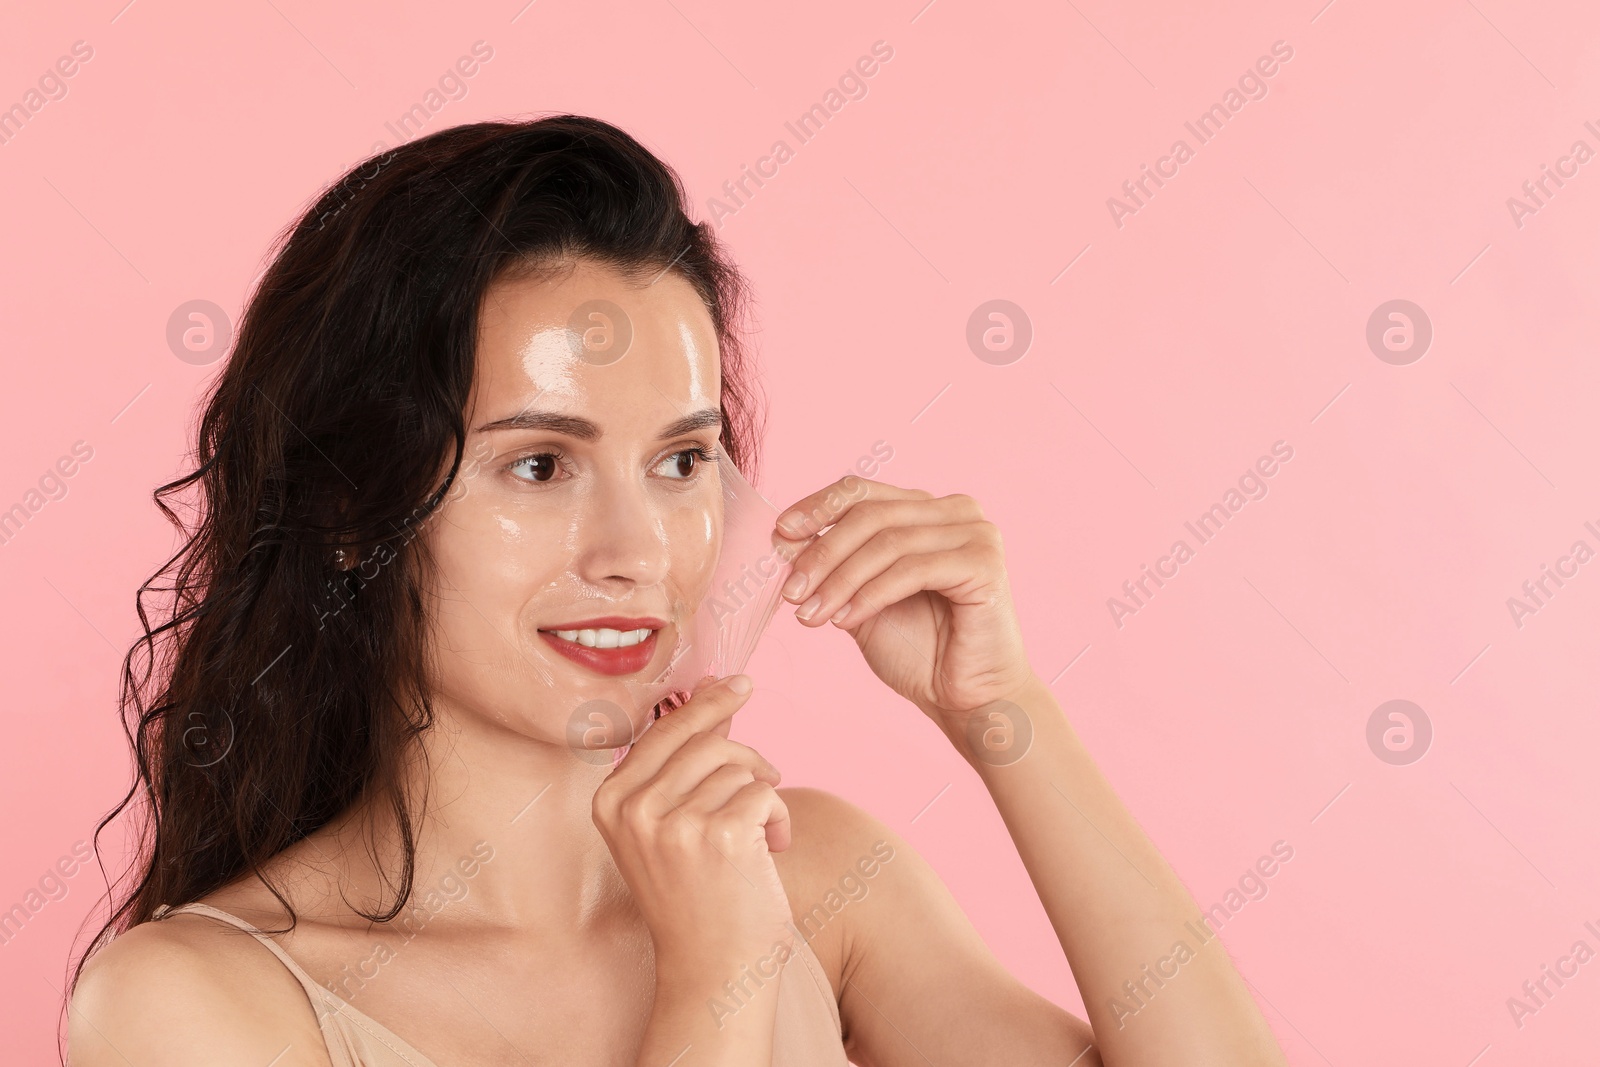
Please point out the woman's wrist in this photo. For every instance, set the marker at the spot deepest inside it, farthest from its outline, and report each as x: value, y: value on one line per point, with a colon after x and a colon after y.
x: 712, y: 964
x: 720, y: 1005
x: 1000, y: 732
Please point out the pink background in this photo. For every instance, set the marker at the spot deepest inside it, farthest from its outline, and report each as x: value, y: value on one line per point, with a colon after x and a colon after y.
x: 1228, y: 313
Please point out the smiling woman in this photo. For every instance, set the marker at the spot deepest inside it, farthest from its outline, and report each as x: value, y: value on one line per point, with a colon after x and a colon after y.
x: 532, y: 295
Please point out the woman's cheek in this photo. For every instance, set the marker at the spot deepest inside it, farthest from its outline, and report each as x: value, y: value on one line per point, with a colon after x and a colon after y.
x: 695, y: 534
x: 490, y: 547
x: 512, y: 535
x: 523, y: 551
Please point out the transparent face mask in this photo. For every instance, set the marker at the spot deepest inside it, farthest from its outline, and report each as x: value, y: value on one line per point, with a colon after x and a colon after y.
x: 709, y: 632
x: 705, y: 573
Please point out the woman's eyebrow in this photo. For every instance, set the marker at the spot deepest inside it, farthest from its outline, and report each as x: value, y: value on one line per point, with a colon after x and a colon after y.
x: 697, y: 420
x: 583, y: 429
x: 570, y: 425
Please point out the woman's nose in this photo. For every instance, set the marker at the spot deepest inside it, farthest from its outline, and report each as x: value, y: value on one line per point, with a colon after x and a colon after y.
x: 621, y: 536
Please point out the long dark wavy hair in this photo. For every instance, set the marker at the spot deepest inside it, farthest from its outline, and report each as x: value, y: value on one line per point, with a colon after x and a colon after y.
x: 278, y: 686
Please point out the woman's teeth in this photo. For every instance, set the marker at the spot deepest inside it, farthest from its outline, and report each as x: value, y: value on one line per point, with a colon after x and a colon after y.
x: 604, y: 638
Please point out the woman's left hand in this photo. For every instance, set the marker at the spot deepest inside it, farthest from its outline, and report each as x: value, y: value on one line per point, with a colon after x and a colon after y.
x: 922, y: 584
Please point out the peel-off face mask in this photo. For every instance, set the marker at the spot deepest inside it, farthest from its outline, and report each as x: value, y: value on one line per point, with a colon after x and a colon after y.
x: 745, y: 588
x: 592, y: 597
x: 711, y: 631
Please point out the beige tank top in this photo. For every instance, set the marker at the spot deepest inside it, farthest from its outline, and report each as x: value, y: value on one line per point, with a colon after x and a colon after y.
x: 806, y: 1034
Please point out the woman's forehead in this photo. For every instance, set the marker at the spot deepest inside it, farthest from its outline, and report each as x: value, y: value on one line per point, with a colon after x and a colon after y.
x: 592, y: 336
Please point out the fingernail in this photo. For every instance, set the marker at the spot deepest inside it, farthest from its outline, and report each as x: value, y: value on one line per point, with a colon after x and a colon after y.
x: 794, y: 586
x: 809, y: 608
x: 790, y: 522
x: 740, y: 683
x: 841, y: 613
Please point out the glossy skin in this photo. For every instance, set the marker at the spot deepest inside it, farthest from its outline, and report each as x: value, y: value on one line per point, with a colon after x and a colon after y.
x: 686, y: 863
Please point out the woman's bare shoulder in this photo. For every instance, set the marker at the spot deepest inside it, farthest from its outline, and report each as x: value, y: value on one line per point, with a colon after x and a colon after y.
x: 190, y: 989
x: 829, y: 835
x: 837, y: 857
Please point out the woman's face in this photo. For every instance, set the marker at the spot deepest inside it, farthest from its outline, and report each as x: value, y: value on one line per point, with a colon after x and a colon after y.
x: 586, y: 513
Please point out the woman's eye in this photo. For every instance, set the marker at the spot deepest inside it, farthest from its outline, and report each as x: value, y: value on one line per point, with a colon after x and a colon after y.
x: 682, y: 465
x: 542, y: 467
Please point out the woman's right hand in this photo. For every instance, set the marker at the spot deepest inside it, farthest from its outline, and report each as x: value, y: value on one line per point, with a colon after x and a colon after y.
x: 691, y: 819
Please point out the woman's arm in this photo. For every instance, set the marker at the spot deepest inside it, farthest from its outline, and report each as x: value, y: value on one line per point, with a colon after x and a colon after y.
x: 693, y: 821
x: 920, y: 583
x: 915, y: 982
x: 1158, y: 984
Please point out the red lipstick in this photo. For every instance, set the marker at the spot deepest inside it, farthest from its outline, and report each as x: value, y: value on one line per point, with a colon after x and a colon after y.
x: 612, y: 661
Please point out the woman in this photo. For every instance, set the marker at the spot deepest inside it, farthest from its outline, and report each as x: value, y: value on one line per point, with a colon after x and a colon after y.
x: 370, y: 841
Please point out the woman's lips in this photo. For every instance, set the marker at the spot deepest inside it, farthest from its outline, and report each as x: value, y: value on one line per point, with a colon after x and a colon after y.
x: 613, y: 661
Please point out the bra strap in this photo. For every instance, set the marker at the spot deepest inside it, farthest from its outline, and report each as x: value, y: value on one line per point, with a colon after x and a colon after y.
x: 314, y: 989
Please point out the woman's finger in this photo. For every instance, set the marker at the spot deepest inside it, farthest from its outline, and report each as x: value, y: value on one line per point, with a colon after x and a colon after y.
x: 702, y: 755
x: 710, y: 706
x: 862, y: 523
x: 841, y: 581
x: 715, y: 790
x: 756, y: 804
x: 827, y: 505
x: 951, y: 574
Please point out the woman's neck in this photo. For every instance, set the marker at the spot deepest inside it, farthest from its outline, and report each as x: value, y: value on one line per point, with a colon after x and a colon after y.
x: 505, y: 835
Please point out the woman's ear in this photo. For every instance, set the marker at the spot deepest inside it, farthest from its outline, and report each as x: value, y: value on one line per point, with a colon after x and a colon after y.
x: 336, y: 514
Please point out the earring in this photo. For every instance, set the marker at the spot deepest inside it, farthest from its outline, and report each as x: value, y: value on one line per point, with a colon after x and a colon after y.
x: 339, y: 558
